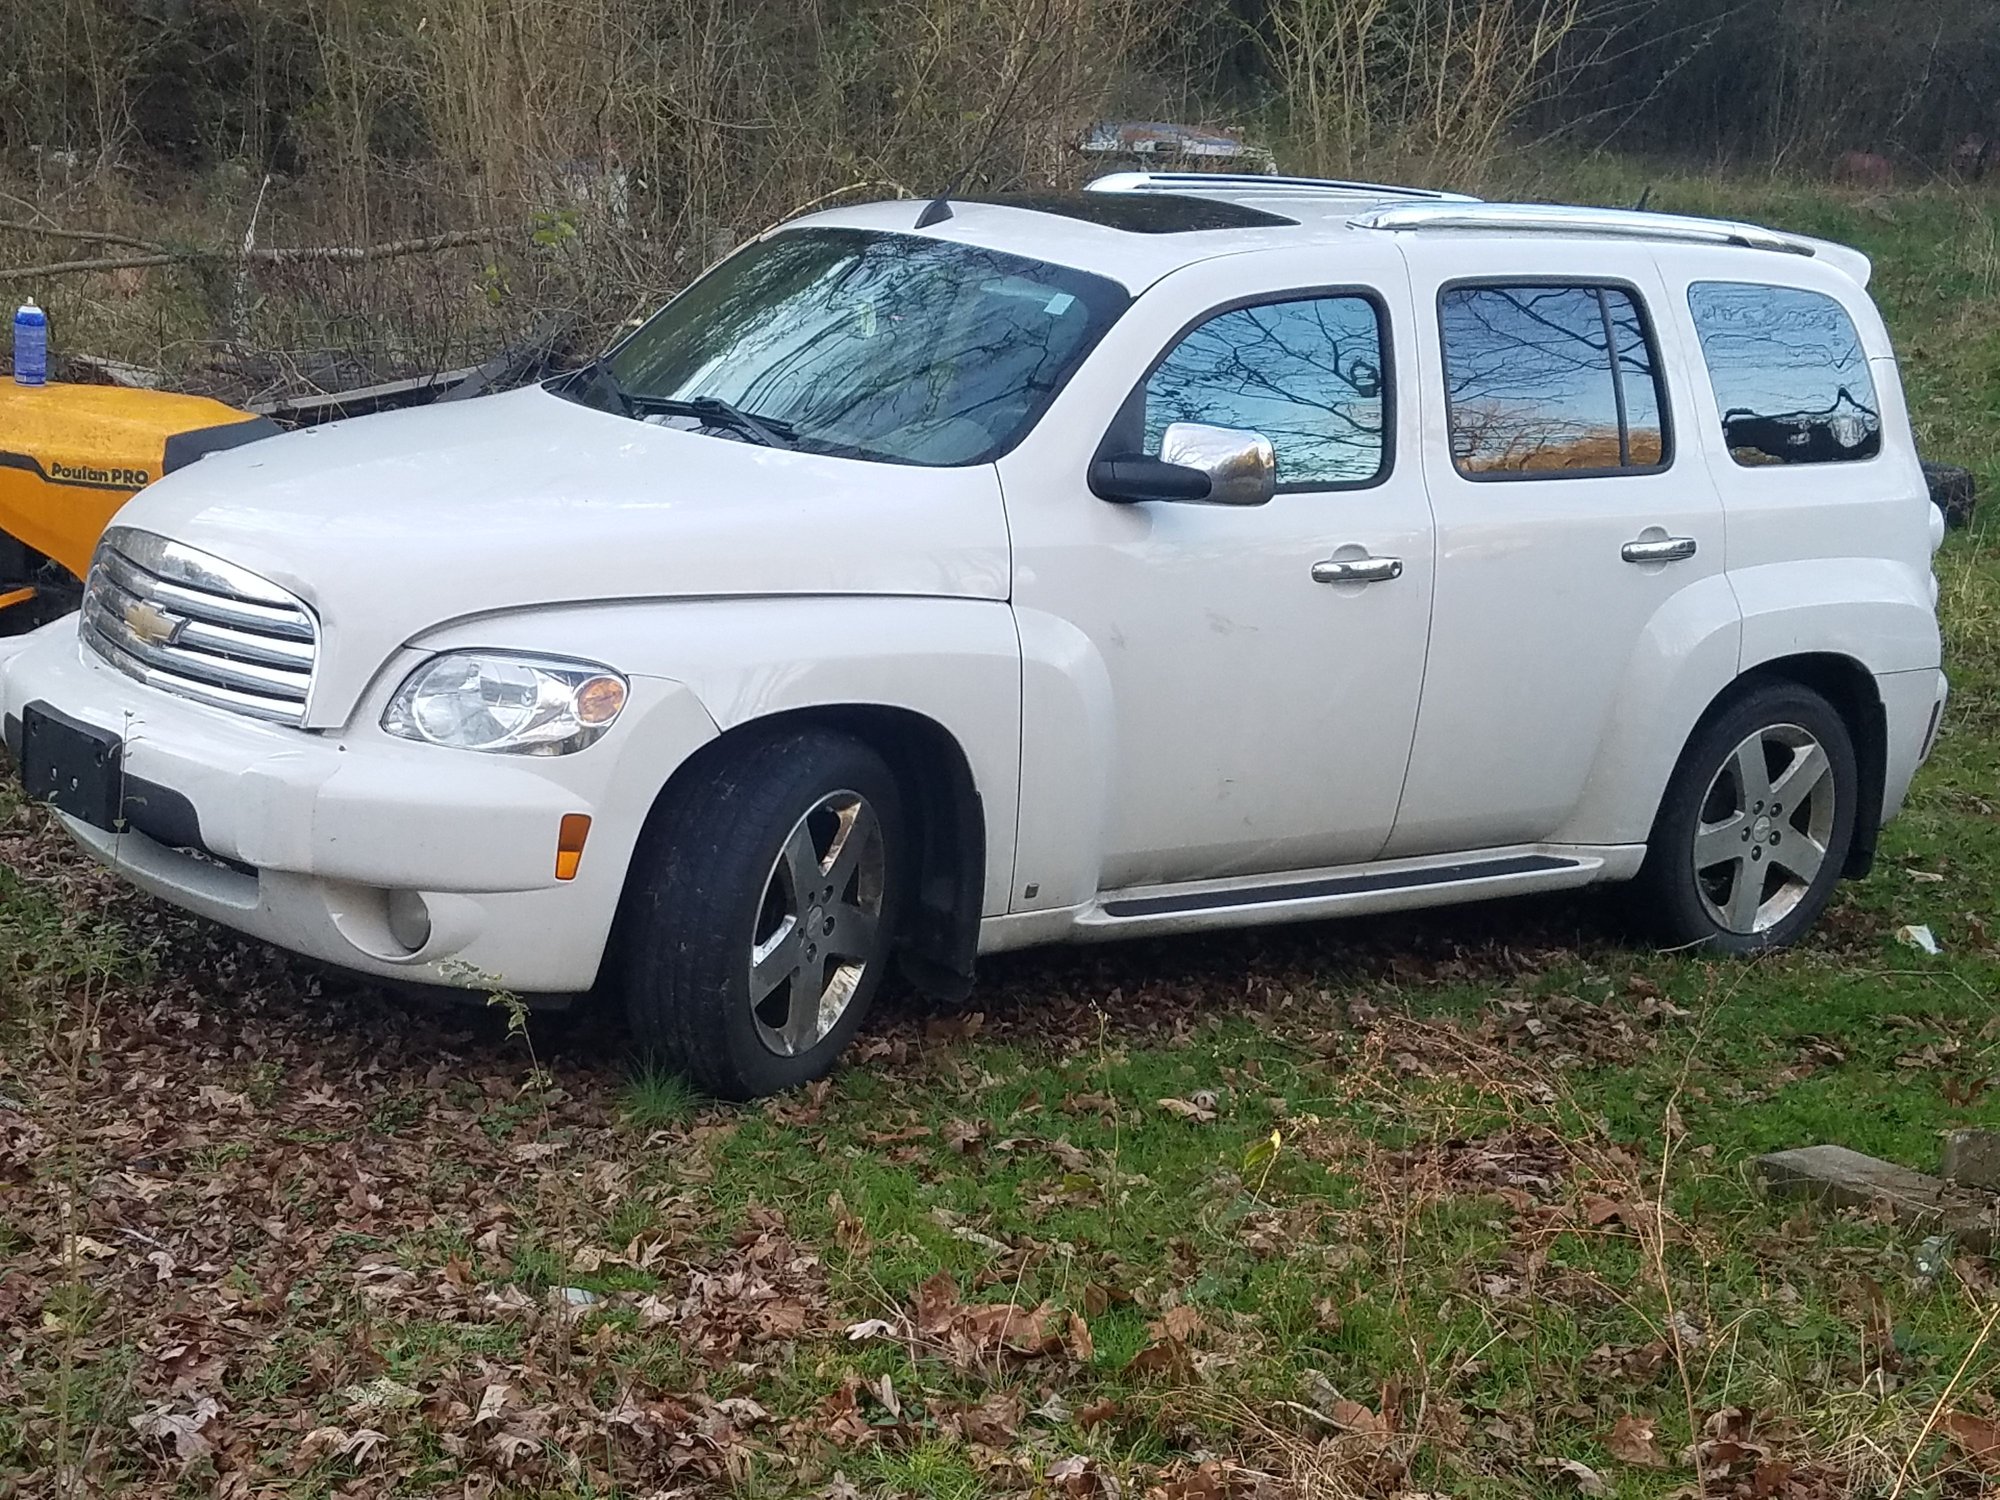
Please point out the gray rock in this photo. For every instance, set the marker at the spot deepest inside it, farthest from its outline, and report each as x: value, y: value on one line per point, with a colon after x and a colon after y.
x: 1972, y: 1158
x: 1842, y: 1178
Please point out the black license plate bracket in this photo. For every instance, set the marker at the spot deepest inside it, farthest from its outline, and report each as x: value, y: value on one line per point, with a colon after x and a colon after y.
x: 76, y: 768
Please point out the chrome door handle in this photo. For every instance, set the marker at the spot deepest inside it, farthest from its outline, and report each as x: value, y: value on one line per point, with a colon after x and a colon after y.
x: 1359, y: 570
x: 1666, y: 549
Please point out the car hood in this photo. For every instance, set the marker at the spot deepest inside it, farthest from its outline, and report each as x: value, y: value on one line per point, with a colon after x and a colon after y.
x: 391, y: 525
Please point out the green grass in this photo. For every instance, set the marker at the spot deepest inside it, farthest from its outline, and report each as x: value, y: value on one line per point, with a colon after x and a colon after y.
x: 1485, y: 1172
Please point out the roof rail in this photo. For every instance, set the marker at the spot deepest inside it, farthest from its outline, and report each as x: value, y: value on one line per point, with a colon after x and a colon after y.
x: 1261, y: 185
x: 1550, y: 218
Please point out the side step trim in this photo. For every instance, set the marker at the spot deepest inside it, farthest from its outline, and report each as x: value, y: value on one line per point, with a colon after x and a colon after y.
x: 1340, y: 885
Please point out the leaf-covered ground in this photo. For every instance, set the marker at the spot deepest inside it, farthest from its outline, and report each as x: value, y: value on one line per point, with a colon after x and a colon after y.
x: 1457, y: 1204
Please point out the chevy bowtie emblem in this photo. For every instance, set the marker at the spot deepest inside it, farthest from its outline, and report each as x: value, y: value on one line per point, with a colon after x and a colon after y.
x: 152, y: 624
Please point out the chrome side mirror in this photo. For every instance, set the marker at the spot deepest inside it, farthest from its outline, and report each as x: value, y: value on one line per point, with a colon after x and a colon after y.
x: 1198, y: 464
x: 1239, y: 463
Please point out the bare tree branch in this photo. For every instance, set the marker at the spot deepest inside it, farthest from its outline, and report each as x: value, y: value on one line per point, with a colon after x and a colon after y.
x: 95, y: 236
x: 106, y: 263
x: 289, y: 255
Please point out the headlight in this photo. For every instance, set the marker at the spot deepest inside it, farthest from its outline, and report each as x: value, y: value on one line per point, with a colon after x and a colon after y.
x: 509, y: 705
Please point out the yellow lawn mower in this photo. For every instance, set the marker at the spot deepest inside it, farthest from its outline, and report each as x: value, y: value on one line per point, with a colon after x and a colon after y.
x: 70, y: 455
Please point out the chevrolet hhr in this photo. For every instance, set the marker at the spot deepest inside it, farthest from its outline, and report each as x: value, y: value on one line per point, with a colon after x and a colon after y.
x: 930, y: 580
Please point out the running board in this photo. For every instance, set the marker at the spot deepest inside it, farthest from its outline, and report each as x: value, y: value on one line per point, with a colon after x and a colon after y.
x: 1392, y: 885
x: 1365, y: 883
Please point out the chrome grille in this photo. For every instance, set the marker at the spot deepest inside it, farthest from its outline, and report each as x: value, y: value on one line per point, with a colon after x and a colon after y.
x: 187, y: 623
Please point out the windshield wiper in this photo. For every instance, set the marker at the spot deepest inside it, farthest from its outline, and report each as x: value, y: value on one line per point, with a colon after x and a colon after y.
x: 715, y: 411
x: 598, y: 373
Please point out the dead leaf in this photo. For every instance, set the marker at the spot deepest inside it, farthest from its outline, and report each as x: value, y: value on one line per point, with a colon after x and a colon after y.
x: 1079, y: 1478
x: 1587, y: 1479
x: 1189, y: 1109
x: 1598, y: 1209
x: 962, y: 1136
x: 180, y: 1430
x: 1635, y: 1440
x: 936, y: 1304
x: 849, y: 1232
x: 1007, y: 1326
x: 493, y: 1401
x: 1082, y: 1347
x: 1167, y: 1357
x: 1180, y: 1322
x: 1097, y: 1413
x: 1352, y: 1416
x: 996, y: 1421
x: 1978, y: 1438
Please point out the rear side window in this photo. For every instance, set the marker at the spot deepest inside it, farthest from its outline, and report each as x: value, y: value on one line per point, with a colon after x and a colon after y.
x: 1307, y: 374
x: 1789, y: 373
x: 1551, y: 381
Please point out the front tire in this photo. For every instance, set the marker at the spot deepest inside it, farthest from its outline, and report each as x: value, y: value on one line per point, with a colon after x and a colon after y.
x: 1756, y: 826
x: 762, y: 912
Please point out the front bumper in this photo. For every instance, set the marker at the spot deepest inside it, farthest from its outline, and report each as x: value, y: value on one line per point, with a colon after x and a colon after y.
x: 396, y: 859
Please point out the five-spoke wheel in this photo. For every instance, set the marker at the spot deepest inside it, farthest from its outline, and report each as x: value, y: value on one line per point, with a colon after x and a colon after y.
x: 820, y: 923
x: 762, y: 911
x: 1756, y: 825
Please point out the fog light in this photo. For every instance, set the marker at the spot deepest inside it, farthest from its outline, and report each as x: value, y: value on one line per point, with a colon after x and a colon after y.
x: 569, y: 844
x: 409, y: 919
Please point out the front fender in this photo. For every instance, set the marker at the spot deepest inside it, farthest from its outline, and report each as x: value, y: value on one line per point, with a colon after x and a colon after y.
x: 956, y: 662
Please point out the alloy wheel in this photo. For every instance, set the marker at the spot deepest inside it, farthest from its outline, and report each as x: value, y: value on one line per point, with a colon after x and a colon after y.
x: 1766, y: 820
x: 819, y: 925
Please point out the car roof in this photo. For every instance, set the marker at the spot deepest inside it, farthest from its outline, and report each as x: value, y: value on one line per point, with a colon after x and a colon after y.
x: 1135, y: 227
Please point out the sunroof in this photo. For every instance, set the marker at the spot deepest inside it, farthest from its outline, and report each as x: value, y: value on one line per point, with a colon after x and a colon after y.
x: 1144, y: 213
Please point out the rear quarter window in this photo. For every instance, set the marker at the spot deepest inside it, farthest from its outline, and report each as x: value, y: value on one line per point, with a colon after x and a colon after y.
x: 1790, y: 376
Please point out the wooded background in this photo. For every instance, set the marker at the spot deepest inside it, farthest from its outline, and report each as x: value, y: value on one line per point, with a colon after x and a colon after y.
x: 608, y: 149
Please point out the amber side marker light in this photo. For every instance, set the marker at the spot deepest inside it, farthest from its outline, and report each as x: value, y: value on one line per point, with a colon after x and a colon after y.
x: 569, y: 844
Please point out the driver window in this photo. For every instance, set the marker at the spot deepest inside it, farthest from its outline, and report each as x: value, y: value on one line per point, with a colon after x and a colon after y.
x: 1308, y: 374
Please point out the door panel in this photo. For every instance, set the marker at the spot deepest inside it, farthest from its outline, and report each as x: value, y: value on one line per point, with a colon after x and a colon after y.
x: 1260, y: 720
x: 1559, y: 551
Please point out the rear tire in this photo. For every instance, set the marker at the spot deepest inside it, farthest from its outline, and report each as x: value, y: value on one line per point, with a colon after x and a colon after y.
x: 762, y: 912
x: 1755, y: 828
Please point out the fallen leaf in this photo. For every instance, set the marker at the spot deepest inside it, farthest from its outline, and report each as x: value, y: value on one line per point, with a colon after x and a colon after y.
x: 996, y: 1421
x: 1635, y: 1440
x: 1189, y: 1109
x: 181, y: 1430
x: 1978, y: 1438
x: 1097, y: 1413
x: 492, y: 1402
x: 1352, y: 1416
x: 1082, y: 1347
x: 1587, y: 1479
x: 1167, y: 1357
x: 936, y: 1304
x: 1079, y: 1478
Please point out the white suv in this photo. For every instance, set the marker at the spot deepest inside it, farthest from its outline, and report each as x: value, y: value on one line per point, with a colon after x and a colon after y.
x: 933, y: 580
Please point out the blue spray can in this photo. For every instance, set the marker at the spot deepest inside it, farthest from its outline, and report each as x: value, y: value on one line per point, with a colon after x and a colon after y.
x: 31, y: 345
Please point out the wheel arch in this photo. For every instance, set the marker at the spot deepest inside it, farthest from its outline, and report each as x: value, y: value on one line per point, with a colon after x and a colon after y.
x: 940, y: 935
x: 1850, y: 687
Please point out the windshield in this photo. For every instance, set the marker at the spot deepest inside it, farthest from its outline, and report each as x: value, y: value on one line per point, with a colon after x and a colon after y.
x: 870, y: 345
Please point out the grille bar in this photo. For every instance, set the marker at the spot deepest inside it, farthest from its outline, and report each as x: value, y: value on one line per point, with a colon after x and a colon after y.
x: 193, y: 625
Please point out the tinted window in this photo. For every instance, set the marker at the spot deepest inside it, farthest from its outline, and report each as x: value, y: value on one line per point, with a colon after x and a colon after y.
x: 1550, y: 379
x: 873, y: 345
x: 1789, y: 374
x: 1306, y: 374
